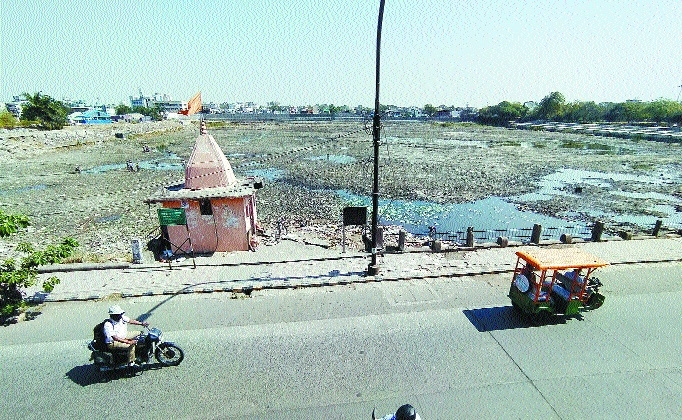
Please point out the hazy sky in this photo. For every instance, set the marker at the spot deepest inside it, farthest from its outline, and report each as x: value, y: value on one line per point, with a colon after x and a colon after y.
x: 323, y: 51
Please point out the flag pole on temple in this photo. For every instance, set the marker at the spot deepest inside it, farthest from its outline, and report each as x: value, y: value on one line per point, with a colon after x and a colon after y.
x: 194, y: 106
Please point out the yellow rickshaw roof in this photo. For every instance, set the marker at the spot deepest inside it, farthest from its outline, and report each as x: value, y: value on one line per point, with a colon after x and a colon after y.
x: 560, y: 258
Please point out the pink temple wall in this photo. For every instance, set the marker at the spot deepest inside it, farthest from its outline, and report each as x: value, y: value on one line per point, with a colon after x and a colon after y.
x: 229, y: 228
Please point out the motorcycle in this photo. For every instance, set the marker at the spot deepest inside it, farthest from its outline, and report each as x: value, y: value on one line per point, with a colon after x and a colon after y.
x: 148, y: 343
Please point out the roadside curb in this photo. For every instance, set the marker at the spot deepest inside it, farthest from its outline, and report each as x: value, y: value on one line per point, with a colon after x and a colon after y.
x: 65, y: 268
x: 205, y: 261
x: 243, y: 277
x: 245, y: 287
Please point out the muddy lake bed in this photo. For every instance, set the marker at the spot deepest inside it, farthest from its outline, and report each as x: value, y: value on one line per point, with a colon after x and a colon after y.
x: 77, y: 183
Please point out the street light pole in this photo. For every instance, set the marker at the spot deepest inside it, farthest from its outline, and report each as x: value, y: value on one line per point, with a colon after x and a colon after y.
x: 373, y: 268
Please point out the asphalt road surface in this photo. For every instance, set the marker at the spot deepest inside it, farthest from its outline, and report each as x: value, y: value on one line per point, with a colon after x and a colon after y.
x: 453, y: 348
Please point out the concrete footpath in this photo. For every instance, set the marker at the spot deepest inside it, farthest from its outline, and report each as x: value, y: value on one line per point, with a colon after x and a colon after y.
x: 291, y: 264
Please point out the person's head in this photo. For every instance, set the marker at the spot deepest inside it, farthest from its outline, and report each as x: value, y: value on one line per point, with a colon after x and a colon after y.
x: 406, y: 412
x: 115, y: 312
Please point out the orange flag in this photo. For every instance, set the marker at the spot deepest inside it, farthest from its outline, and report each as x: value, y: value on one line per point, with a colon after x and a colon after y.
x: 193, y: 106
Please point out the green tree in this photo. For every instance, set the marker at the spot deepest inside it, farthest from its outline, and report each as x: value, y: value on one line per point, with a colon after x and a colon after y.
x: 7, y: 120
x: 48, y: 113
x: 122, y: 109
x: 430, y: 110
x: 274, y: 106
x: 11, y: 223
x: 675, y: 118
x: 583, y: 112
x: 627, y: 112
x: 551, y: 107
x: 152, y: 112
x: 502, y: 113
x: 663, y: 110
x: 15, y: 277
x: 333, y: 109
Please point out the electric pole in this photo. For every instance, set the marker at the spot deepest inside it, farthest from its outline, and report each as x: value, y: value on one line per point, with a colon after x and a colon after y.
x: 373, y: 268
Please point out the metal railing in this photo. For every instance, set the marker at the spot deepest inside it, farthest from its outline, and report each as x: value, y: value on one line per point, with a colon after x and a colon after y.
x: 512, y: 234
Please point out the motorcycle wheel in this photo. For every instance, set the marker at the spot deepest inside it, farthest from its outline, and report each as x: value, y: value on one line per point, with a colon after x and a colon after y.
x: 169, y: 354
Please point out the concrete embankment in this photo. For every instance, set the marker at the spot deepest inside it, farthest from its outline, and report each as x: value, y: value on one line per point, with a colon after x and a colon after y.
x: 295, y: 265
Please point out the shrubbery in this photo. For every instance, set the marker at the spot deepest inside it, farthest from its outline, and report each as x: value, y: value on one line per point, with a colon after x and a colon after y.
x: 18, y: 275
x: 7, y: 120
x: 11, y: 223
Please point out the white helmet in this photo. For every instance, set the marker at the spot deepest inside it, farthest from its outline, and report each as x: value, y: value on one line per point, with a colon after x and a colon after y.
x: 116, y: 310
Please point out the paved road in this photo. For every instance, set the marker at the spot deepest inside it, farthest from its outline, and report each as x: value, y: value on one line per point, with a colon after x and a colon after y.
x: 451, y: 346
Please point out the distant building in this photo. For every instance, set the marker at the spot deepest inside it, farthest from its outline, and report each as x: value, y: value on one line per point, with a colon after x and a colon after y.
x: 446, y: 114
x: 210, y: 108
x: 15, y: 106
x: 417, y: 112
x: 170, y: 106
x: 530, y: 105
x: 91, y: 116
x: 163, y: 102
x: 468, y: 113
x: 141, y: 101
x: 77, y: 105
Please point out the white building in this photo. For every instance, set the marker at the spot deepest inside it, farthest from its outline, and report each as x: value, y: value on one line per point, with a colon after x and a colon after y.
x: 15, y: 106
x: 162, y: 101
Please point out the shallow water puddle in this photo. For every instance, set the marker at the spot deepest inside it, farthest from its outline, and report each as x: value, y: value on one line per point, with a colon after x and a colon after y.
x: 154, y: 165
x: 493, y: 213
x: 270, y: 174
x: 341, y: 159
x: 559, y: 182
x: 568, y: 183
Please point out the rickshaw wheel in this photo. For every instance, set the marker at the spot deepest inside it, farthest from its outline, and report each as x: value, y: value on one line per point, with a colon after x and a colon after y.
x: 541, y: 317
x: 595, y: 301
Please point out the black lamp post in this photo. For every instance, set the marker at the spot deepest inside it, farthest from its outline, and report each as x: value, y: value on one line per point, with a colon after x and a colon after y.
x: 373, y: 268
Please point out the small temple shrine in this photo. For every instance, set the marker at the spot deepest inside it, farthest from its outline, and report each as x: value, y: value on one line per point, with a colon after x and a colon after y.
x: 211, y: 211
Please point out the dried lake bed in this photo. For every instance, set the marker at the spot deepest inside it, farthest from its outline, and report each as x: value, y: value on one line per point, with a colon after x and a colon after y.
x: 448, y: 175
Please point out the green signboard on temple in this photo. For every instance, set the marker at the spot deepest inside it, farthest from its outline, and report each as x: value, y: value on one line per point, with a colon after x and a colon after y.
x: 169, y: 217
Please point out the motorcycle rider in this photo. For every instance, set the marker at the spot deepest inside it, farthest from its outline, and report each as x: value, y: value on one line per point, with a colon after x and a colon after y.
x: 116, y: 334
x: 404, y: 412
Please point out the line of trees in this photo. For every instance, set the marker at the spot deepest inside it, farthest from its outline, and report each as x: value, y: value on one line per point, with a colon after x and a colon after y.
x: 554, y: 107
x: 154, y: 113
x: 44, y: 112
x: 50, y: 114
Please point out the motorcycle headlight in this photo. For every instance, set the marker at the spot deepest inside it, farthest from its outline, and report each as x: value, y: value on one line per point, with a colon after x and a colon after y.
x: 155, y: 333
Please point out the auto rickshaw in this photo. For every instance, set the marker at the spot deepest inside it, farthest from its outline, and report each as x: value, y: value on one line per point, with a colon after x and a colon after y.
x: 555, y: 281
